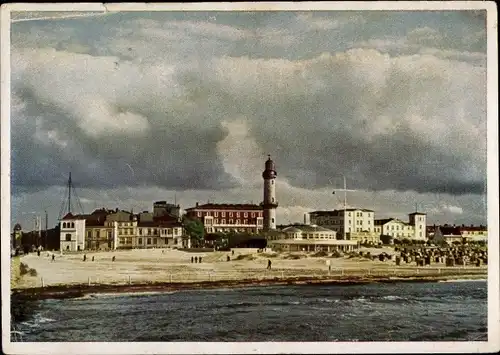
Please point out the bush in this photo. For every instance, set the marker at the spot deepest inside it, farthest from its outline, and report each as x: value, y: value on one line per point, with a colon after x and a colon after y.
x: 24, y: 268
x: 33, y: 272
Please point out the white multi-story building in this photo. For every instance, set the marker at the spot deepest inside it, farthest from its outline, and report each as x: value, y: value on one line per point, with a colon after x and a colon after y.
x: 72, y: 233
x: 351, y: 220
x: 415, y: 229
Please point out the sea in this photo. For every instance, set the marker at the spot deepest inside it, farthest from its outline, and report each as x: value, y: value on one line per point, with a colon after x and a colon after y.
x: 434, y: 311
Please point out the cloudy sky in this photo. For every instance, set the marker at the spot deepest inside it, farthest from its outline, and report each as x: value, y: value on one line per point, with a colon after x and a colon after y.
x: 145, y: 106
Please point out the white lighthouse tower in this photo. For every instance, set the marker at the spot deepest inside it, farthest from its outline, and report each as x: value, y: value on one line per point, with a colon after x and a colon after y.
x: 269, y: 204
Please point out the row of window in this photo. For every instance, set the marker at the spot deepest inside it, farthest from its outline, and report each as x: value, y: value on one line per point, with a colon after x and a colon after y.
x: 231, y: 214
x: 231, y: 221
x: 68, y: 225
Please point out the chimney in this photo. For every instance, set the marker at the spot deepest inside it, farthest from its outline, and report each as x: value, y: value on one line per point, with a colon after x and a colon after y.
x: 196, y: 204
x: 306, y: 219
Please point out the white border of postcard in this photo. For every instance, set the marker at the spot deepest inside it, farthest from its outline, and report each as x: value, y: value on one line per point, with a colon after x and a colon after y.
x: 493, y: 343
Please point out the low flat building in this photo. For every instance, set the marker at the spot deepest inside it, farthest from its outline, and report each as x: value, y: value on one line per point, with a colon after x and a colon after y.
x: 451, y: 234
x: 310, y: 238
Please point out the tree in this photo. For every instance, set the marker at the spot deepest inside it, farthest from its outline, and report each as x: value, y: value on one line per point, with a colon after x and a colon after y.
x: 386, y: 239
x: 195, y: 229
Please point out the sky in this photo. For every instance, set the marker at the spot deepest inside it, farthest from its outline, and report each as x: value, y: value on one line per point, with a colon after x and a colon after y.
x: 186, y: 106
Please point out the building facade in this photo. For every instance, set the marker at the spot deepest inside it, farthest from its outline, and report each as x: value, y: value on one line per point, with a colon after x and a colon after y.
x: 115, y: 229
x: 450, y: 234
x: 269, y: 204
x: 346, y: 222
x: 72, y: 233
x: 415, y: 229
x: 247, y: 218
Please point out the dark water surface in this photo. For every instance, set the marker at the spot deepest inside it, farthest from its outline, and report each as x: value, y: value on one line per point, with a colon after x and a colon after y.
x: 446, y: 311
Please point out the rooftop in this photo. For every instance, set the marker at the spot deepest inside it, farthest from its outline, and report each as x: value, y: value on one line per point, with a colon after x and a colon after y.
x: 339, y: 212
x: 226, y: 206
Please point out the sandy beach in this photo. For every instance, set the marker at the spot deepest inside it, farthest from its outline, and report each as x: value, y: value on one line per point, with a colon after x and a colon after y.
x: 172, y: 266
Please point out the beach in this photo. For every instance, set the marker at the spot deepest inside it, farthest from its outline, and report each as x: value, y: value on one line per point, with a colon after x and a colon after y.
x: 166, y: 269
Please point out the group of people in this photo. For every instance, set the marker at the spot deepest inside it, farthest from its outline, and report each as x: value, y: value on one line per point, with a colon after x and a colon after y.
x: 196, y: 259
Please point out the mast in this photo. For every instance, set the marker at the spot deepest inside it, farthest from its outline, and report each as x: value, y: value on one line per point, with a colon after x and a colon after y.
x: 345, y: 205
x: 69, y: 193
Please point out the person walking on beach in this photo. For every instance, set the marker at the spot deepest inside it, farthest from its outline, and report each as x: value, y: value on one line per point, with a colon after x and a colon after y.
x: 329, y: 265
x: 192, y: 260
x: 53, y: 257
x: 85, y: 257
x: 195, y: 259
x: 92, y: 258
x: 199, y: 259
x: 113, y: 258
x: 268, y: 264
x: 232, y: 252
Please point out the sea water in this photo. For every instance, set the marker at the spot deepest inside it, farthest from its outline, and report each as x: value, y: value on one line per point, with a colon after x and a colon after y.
x: 434, y: 311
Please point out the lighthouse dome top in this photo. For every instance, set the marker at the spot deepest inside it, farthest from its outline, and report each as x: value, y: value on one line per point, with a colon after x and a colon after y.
x: 270, y: 171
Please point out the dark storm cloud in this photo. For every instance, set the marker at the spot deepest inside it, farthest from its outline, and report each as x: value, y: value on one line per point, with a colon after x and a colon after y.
x: 171, y: 157
x: 319, y: 118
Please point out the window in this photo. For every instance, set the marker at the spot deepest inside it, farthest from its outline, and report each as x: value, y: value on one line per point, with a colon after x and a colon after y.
x: 237, y: 221
x: 237, y: 214
x: 245, y: 214
x: 199, y: 214
x: 223, y: 214
x: 216, y: 221
x: 231, y: 221
x: 149, y: 231
x: 149, y: 241
x: 140, y: 240
x: 230, y: 214
x: 253, y: 214
x: 216, y: 214
x: 272, y: 220
x: 97, y: 234
x: 245, y: 221
x: 223, y: 221
x: 272, y: 182
x: 89, y: 234
x: 140, y: 231
x: 68, y: 237
x: 72, y: 225
x: 110, y: 235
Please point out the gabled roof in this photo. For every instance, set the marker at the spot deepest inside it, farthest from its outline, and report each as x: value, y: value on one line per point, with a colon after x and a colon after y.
x: 226, y: 206
x: 418, y: 213
x: 381, y: 222
x: 68, y: 215
x: 339, y: 212
x: 448, y: 230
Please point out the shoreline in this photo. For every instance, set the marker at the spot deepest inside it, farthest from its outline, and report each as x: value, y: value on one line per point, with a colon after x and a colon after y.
x: 70, y: 291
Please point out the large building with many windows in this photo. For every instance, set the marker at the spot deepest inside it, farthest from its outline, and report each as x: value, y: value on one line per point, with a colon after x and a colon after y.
x: 228, y: 217
x: 115, y: 229
x: 350, y: 224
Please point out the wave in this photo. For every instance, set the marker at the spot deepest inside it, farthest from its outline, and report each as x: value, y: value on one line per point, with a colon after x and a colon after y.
x: 392, y: 298
x: 37, y: 321
x: 464, y: 280
x: 328, y: 300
